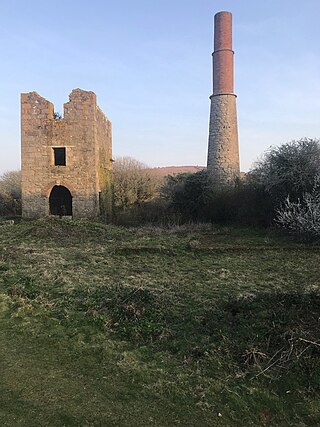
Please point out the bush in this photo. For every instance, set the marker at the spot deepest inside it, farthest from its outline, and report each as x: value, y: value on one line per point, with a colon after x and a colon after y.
x: 156, y: 211
x: 10, y: 193
x: 288, y: 170
x: 133, y: 185
x: 188, y: 194
x: 302, y: 217
x: 285, y: 171
x: 195, y: 197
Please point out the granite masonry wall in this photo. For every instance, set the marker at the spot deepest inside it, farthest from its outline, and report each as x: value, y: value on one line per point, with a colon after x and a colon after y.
x: 223, y: 152
x: 84, y: 132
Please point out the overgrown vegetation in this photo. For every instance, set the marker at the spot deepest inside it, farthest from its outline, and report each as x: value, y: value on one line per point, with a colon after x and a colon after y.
x: 286, y: 171
x: 303, y: 217
x: 279, y: 185
x: 133, y: 185
x: 290, y: 170
x: 191, y: 325
x: 10, y: 193
x: 182, y: 322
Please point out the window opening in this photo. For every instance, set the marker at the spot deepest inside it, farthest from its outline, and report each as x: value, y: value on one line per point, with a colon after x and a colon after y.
x: 59, y: 156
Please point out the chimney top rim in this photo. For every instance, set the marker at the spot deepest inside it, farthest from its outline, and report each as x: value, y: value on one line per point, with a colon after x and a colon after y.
x: 223, y: 12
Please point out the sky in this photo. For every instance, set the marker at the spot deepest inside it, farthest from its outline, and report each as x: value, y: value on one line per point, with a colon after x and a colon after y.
x: 149, y: 62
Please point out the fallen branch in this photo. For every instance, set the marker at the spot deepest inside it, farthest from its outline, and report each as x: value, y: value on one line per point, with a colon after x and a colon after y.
x: 270, y: 364
x: 310, y: 342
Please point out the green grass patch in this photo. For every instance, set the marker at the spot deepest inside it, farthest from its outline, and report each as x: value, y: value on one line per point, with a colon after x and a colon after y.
x: 193, y: 325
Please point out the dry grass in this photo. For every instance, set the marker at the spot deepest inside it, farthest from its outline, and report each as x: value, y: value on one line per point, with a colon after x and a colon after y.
x: 104, y: 325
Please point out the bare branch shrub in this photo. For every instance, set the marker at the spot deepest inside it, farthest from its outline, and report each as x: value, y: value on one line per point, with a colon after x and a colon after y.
x: 303, y: 216
x: 10, y: 193
x: 132, y: 183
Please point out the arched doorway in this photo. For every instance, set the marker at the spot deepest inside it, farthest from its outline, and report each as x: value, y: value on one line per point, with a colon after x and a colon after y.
x: 60, y: 201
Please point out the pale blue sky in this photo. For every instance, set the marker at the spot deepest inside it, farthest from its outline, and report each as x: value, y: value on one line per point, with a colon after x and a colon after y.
x: 149, y: 62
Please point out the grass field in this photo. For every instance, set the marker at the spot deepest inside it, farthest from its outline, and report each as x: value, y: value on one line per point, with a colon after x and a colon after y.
x: 192, y: 326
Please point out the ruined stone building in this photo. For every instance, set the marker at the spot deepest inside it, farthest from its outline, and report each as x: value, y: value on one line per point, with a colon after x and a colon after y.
x: 65, y: 162
x: 223, y: 151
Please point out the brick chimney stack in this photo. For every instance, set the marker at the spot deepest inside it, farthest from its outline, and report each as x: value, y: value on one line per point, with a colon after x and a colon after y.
x: 223, y: 151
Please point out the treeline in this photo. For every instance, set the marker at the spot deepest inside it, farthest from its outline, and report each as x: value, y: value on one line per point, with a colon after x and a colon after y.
x: 282, y: 188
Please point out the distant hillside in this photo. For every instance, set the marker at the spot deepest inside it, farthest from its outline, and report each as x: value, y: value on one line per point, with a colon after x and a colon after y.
x: 174, y: 170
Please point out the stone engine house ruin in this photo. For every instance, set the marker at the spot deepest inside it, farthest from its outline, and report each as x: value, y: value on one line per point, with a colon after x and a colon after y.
x: 65, y: 162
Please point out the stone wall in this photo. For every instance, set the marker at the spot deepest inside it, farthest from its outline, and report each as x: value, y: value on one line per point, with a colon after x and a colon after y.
x: 104, y: 162
x: 84, y: 132
x: 223, y: 152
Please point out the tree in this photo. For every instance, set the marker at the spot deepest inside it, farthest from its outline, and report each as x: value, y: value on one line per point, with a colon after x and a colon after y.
x: 288, y: 170
x: 132, y: 183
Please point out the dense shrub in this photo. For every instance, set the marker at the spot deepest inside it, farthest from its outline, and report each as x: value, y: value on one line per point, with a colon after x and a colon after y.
x: 132, y: 183
x: 133, y: 187
x: 10, y: 193
x: 188, y: 194
x: 196, y: 197
x: 156, y: 211
x: 289, y: 169
x: 303, y: 216
x: 285, y: 171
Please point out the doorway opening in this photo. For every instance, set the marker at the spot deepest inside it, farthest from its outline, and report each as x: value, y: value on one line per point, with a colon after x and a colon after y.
x: 60, y: 201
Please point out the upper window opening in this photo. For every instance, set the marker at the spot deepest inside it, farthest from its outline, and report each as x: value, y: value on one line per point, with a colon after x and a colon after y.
x: 59, y: 156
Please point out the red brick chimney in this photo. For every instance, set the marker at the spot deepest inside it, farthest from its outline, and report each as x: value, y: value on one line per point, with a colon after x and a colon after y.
x: 223, y: 54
